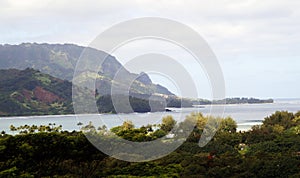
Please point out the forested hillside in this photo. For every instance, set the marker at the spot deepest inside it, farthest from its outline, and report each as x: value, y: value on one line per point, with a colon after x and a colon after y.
x: 30, y: 92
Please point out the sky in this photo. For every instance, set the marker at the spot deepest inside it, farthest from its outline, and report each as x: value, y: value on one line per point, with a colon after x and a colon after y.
x: 256, y: 42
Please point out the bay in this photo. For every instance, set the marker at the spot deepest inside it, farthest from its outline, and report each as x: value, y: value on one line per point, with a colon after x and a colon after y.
x: 246, y: 115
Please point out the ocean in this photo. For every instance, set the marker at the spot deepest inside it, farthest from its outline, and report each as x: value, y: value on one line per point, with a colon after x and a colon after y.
x: 246, y: 115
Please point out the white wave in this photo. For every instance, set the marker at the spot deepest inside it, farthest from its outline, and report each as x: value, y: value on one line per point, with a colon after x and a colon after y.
x: 249, y: 123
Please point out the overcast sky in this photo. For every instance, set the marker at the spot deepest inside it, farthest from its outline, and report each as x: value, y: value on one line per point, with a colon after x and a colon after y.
x: 257, y: 42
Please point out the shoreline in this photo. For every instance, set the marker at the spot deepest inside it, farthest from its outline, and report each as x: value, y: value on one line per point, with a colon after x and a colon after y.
x: 167, y: 109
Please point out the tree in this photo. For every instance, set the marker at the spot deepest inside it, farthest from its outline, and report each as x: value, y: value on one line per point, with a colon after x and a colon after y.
x: 79, y: 124
x: 12, y: 128
x: 127, y: 125
x: 297, y: 114
x: 89, y: 128
x: 158, y: 134
x: 297, y: 118
x: 282, y: 118
x: 3, y: 132
x: 168, y: 123
x: 198, y: 119
x: 228, y: 125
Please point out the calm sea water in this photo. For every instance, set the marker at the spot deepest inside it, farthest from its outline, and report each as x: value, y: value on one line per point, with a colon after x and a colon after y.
x: 246, y: 115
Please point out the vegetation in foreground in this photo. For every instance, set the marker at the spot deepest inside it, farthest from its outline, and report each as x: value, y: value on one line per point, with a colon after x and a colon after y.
x: 269, y: 150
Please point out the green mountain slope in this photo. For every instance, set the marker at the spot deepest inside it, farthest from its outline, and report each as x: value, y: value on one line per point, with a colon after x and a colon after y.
x: 30, y: 92
x: 59, y: 60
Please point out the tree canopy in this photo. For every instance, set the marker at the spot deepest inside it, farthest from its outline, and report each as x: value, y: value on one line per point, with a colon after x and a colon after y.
x: 269, y: 150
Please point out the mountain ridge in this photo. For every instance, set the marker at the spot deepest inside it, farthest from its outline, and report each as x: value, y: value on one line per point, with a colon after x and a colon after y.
x: 59, y: 60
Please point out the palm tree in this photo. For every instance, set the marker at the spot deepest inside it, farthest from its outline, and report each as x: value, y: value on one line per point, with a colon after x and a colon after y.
x: 79, y: 125
x: 3, y: 133
x: 13, y: 128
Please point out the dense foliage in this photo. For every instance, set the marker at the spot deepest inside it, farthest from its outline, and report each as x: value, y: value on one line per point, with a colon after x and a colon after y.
x: 245, y: 101
x: 269, y: 150
x: 30, y: 92
x: 173, y: 101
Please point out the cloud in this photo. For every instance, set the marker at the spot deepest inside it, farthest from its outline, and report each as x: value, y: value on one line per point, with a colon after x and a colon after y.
x: 218, y: 20
x: 236, y: 30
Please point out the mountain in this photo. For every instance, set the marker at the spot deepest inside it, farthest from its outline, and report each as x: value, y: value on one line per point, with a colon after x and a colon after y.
x: 59, y: 60
x: 30, y: 92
